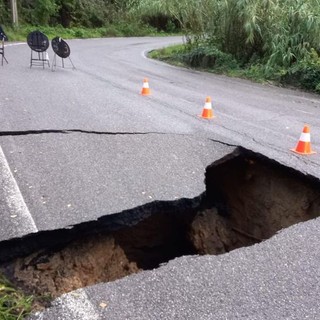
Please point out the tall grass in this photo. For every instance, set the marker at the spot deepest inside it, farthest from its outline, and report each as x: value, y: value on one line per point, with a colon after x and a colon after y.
x: 191, y: 14
x: 279, y: 31
x: 14, y: 305
x: 279, y: 39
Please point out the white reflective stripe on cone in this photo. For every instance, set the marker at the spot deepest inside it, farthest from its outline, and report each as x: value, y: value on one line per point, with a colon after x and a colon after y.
x: 207, y: 105
x: 305, y: 137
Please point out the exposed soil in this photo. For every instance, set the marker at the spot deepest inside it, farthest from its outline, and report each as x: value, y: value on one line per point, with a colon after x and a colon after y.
x: 102, y: 257
x: 81, y: 264
x: 248, y: 199
x: 258, y: 197
x: 251, y: 199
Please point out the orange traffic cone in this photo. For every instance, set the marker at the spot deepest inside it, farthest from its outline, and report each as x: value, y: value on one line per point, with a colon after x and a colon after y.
x: 145, y: 88
x: 207, y: 112
x: 304, y: 144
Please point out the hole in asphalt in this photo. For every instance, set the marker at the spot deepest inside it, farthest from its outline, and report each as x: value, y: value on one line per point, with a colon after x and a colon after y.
x: 248, y: 199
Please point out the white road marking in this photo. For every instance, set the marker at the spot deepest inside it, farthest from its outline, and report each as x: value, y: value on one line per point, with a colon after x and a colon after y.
x: 14, y: 44
x: 13, y: 201
x: 302, y: 111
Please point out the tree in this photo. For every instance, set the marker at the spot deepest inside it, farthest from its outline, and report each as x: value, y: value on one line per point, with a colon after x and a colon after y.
x: 14, y: 12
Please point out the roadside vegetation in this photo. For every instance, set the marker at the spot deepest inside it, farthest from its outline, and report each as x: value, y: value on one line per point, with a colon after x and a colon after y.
x: 82, y: 19
x: 264, y: 40
x: 14, y: 304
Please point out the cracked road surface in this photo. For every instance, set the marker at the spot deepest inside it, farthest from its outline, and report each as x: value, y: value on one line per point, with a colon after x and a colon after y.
x: 73, y: 178
x: 80, y: 144
x: 277, y: 279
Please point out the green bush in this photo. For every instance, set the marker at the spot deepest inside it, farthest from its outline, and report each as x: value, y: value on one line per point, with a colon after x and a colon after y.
x: 134, y: 29
x: 4, y: 12
x: 209, y: 58
x: 37, y: 12
x: 111, y: 31
x: 305, y: 73
x: 161, y: 22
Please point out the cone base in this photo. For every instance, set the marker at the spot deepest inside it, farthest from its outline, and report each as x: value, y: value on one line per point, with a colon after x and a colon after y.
x: 303, y: 153
x: 145, y: 93
x: 201, y: 116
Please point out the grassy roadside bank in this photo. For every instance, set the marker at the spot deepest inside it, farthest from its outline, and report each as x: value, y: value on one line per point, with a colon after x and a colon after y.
x: 215, y: 62
x: 14, y: 304
x: 303, y: 75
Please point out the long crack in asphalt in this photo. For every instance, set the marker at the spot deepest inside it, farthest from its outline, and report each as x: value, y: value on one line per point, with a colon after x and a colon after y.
x: 68, y: 131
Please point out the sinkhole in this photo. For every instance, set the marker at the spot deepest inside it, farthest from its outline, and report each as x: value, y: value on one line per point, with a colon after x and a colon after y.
x: 248, y: 199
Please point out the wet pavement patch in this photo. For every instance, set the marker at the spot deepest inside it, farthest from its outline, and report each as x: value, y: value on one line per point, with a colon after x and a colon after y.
x: 248, y: 199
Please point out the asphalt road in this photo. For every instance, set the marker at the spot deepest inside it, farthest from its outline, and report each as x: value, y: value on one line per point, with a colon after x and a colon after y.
x: 80, y: 144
